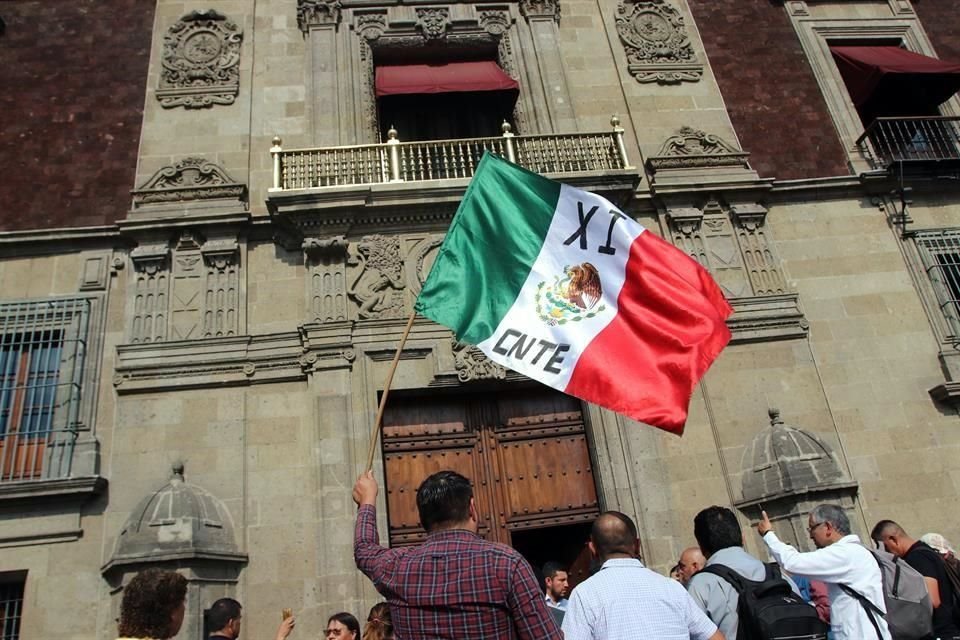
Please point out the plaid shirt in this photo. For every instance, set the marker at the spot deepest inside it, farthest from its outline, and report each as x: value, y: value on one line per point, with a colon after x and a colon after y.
x: 455, y: 585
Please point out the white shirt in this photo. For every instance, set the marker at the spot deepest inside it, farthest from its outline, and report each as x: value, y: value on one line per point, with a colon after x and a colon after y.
x: 624, y: 601
x: 847, y: 562
x: 560, y: 604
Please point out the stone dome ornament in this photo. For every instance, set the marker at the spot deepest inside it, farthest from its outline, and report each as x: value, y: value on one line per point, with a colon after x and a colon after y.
x: 784, y: 459
x: 787, y: 471
x: 179, y: 522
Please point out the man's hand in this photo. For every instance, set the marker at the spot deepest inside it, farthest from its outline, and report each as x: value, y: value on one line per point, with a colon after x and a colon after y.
x: 286, y: 627
x: 764, y: 525
x: 365, y: 489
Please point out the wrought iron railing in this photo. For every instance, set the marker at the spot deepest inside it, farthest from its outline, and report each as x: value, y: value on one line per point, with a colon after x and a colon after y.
x: 892, y: 140
x: 43, y: 346
x: 396, y: 161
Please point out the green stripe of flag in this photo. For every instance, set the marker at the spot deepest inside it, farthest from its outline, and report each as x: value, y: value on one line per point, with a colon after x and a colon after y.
x: 491, y: 245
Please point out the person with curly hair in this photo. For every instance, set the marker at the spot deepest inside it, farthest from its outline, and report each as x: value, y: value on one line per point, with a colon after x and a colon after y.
x: 153, y: 605
x: 379, y: 626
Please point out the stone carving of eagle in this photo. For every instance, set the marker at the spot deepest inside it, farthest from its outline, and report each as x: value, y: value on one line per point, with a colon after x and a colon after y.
x: 584, y: 288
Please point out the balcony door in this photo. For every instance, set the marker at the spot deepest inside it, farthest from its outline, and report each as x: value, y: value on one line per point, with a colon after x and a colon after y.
x: 525, y: 451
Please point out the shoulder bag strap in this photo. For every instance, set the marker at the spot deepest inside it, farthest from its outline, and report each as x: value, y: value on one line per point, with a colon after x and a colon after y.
x: 868, y: 606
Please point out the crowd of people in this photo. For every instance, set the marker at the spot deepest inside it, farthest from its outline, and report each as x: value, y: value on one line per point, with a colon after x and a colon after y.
x: 459, y: 585
x: 154, y: 602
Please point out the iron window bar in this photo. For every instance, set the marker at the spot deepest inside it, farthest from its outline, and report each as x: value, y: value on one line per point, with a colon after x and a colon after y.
x: 43, y: 346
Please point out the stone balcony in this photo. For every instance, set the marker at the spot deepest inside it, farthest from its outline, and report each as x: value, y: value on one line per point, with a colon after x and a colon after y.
x: 341, y: 185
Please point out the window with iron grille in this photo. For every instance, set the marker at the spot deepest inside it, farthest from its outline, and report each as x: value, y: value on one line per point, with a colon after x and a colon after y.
x: 43, y: 346
x: 940, y: 254
x: 11, y: 607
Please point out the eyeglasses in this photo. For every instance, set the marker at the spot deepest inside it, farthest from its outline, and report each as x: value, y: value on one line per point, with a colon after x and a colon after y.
x: 333, y: 632
x: 814, y: 527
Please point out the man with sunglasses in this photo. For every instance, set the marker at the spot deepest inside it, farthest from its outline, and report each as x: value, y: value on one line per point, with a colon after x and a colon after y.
x: 840, y: 559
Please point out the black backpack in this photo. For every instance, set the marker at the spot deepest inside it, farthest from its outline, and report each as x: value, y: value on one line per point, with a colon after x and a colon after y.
x: 769, y: 609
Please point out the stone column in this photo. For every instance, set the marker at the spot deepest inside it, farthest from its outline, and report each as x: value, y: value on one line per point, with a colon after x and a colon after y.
x: 320, y: 20
x: 548, y: 85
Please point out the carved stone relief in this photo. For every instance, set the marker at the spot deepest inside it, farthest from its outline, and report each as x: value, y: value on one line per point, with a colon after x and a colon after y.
x: 685, y: 224
x: 189, y: 292
x: 433, y: 23
x: 472, y: 364
x: 759, y: 256
x: 327, y: 274
x: 420, y: 260
x: 693, y: 142
x: 733, y: 244
x: 317, y: 12
x: 496, y: 23
x: 150, y: 290
x: 723, y: 253
x: 656, y: 43
x: 188, y: 179
x: 185, y: 297
x: 549, y: 9
x: 370, y: 26
x: 201, y: 61
x: 221, y: 313
x: 377, y: 288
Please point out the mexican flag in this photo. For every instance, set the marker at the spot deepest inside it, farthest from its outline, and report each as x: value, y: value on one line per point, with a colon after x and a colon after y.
x: 559, y: 285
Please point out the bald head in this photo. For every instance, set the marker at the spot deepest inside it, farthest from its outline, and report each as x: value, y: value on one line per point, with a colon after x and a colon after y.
x: 691, y: 561
x: 613, y: 534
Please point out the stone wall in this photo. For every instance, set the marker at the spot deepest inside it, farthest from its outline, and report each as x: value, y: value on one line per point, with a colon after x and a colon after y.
x: 73, y: 104
x: 876, y: 357
x: 769, y: 89
x: 942, y: 24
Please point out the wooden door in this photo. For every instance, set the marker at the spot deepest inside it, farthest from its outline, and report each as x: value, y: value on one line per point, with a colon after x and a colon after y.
x: 525, y: 451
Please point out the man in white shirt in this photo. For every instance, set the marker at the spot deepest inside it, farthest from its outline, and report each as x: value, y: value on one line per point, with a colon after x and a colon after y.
x: 556, y: 585
x: 625, y: 600
x: 840, y: 559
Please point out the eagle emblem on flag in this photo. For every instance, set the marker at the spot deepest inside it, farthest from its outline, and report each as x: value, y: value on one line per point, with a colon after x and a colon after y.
x: 573, y: 296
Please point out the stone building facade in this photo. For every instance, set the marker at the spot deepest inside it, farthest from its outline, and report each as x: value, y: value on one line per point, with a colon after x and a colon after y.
x: 212, y: 238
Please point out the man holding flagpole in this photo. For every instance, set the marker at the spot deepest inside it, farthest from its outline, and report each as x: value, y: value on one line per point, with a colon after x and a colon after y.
x: 559, y: 285
x: 456, y: 584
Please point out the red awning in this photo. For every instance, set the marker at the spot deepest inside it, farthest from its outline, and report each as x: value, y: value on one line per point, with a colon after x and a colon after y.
x: 453, y: 77
x: 891, y: 78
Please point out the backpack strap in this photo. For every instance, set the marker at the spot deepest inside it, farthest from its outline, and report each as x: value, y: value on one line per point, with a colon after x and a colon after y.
x: 868, y: 606
x: 773, y: 570
x: 726, y: 573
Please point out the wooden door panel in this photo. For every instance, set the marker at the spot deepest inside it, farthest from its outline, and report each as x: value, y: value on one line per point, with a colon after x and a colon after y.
x: 525, y: 450
x: 422, y: 437
x: 547, y: 477
x: 405, y: 473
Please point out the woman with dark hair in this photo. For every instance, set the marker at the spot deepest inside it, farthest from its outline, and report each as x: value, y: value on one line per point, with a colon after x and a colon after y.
x: 379, y: 625
x: 153, y: 605
x: 343, y: 626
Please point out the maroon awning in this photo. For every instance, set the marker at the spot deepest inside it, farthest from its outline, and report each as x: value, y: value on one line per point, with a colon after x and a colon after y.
x: 453, y: 77
x: 894, y: 79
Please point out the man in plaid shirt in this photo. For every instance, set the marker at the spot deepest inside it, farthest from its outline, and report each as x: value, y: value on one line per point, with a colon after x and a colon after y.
x: 456, y: 584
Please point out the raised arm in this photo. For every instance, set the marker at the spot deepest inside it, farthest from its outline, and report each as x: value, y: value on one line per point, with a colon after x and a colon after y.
x: 373, y: 560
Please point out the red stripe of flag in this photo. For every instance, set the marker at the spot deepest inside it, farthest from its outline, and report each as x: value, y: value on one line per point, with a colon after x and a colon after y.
x: 670, y: 327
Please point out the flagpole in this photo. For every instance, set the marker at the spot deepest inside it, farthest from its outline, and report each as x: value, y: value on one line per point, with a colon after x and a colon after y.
x: 386, y: 391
